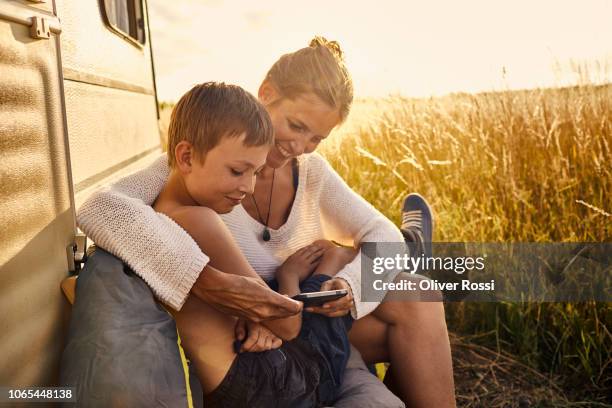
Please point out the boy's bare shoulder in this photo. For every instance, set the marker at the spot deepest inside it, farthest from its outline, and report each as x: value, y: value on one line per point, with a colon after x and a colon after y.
x: 192, y: 216
x: 196, y: 221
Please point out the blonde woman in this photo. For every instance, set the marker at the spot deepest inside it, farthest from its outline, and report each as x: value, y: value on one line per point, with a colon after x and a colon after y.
x: 298, y: 199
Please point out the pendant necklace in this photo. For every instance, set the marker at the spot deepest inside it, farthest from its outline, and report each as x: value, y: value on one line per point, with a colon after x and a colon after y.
x: 266, y: 231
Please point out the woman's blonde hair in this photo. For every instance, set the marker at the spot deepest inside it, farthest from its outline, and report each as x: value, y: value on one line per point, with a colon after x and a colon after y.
x: 319, y: 69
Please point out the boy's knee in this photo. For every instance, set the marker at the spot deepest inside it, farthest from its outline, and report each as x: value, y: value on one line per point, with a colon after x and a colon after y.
x: 343, y: 254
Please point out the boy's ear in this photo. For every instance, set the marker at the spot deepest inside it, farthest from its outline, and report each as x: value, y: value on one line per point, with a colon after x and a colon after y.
x: 183, y: 155
x: 267, y: 93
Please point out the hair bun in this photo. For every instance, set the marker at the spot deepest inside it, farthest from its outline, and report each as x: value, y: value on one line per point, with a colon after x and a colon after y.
x: 333, y: 46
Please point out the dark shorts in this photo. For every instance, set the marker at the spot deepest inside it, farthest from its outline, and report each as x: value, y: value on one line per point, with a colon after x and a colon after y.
x: 304, y: 372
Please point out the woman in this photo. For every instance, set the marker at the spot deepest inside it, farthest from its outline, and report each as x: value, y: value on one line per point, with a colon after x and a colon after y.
x: 297, y: 200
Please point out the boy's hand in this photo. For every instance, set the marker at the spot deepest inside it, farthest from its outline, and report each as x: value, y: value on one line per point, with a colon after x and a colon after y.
x: 303, y: 261
x: 258, y: 338
x: 338, y: 307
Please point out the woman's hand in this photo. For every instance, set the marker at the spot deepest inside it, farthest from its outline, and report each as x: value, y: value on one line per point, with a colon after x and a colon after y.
x: 338, y: 307
x: 243, y: 296
x: 255, y: 337
x: 303, y: 261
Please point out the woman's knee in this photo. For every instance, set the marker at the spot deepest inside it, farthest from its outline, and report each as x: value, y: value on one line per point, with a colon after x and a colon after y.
x: 415, y: 317
x: 417, y: 307
x: 418, y: 292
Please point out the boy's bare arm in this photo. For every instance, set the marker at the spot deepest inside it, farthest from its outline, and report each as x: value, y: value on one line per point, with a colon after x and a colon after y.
x: 215, y: 239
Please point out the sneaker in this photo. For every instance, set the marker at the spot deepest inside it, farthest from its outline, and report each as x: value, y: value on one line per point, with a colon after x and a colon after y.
x: 417, y: 224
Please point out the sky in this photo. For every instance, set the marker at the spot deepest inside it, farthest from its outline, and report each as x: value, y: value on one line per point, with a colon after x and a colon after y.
x: 414, y: 48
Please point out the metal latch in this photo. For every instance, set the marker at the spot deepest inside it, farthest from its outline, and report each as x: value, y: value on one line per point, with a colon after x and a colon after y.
x: 77, y: 254
x: 40, y: 28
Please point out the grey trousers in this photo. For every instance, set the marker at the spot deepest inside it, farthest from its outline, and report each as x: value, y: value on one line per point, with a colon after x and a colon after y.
x: 361, y: 388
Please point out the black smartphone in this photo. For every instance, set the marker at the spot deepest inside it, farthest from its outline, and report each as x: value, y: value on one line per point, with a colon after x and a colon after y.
x: 318, y: 298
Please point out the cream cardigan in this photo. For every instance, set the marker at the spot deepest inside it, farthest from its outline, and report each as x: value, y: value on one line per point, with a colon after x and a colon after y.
x: 119, y: 219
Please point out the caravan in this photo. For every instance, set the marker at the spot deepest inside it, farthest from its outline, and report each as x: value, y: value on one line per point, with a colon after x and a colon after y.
x: 78, y: 106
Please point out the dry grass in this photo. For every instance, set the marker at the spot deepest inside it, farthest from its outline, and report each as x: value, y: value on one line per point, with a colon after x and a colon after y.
x: 492, y: 379
x: 525, y: 166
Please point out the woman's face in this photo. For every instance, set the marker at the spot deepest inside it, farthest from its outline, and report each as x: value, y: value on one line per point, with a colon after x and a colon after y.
x: 299, y: 124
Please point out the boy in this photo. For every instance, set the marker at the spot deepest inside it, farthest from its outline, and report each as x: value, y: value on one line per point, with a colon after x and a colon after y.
x: 218, y: 140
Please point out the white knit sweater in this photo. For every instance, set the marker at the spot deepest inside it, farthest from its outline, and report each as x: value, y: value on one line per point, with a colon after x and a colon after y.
x: 119, y: 219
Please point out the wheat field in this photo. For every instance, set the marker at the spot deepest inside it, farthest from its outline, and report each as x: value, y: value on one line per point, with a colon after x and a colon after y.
x: 522, y: 166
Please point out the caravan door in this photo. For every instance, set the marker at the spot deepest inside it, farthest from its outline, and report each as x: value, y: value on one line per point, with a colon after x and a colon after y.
x: 36, y: 210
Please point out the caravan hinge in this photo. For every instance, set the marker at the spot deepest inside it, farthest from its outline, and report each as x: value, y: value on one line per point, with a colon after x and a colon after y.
x: 77, y: 254
x: 40, y: 28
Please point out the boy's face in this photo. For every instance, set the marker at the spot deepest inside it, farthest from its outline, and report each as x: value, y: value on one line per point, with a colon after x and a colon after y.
x: 226, y: 174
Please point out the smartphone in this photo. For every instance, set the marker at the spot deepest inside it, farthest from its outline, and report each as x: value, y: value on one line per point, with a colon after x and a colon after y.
x: 318, y: 298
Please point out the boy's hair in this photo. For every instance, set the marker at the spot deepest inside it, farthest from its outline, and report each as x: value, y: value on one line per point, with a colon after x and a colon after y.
x: 318, y: 68
x: 214, y: 110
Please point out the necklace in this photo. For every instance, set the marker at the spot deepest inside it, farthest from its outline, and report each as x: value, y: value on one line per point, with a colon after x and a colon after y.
x: 266, y: 231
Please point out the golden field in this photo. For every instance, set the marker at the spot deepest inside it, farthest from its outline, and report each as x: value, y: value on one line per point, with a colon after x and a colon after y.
x: 522, y: 166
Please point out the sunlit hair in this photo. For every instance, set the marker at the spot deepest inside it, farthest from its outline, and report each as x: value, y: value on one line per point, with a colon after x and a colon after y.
x: 318, y: 68
x: 214, y: 110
